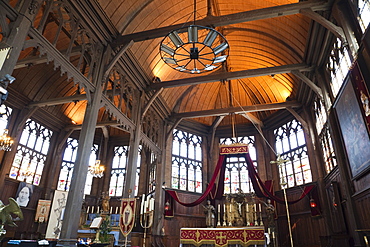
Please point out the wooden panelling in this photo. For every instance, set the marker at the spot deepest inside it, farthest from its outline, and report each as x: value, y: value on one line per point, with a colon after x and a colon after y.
x: 184, y: 217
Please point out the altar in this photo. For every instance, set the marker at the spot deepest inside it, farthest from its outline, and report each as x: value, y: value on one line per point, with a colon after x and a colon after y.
x: 222, y: 237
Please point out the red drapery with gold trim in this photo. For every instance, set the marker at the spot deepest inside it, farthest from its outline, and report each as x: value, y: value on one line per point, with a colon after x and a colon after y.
x: 260, y: 188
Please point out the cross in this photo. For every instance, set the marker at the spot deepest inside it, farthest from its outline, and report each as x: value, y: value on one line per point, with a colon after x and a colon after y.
x: 221, y: 237
x: 279, y: 161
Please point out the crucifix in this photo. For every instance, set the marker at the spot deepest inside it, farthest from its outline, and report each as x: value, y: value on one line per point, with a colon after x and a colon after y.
x: 280, y: 161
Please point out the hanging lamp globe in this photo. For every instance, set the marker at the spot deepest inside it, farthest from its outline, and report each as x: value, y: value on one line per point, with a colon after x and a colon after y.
x: 194, y: 49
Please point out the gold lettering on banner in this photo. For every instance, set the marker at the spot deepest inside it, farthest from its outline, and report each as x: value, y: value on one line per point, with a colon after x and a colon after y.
x: 221, y: 237
x: 234, y: 149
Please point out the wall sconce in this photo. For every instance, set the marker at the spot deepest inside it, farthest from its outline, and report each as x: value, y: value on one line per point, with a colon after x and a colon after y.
x: 313, y: 203
x: 167, y: 206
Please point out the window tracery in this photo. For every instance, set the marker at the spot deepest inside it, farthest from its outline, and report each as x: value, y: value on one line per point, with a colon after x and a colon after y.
x: 31, y: 153
x: 186, y: 161
x: 291, y: 145
x: 236, y: 173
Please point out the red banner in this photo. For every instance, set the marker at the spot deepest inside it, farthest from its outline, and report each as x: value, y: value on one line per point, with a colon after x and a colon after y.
x: 220, y: 237
x: 238, y: 148
x: 127, y: 212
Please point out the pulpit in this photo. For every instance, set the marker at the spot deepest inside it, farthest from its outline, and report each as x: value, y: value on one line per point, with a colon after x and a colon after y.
x: 222, y: 237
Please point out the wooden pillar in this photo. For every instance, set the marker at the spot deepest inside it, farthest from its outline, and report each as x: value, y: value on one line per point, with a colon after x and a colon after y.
x: 18, y: 34
x: 133, y: 151
x: 159, y: 193
x: 75, y: 194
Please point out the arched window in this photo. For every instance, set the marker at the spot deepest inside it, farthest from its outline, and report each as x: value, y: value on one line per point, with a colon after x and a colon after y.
x: 324, y: 135
x: 31, y: 153
x: 364, y: 14
x: 5, y: 113
x: 68, y: 162
x: 291, y: 145
x: 338, y: 66
x: 186, y: 161
x: 236, y: 173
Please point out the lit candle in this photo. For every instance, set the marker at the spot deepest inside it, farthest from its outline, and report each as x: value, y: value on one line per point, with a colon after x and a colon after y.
x: 219, y: 208
x: 145, y: 206
x: 230, y: 207
x: 142, y: 204
x: 92, y: 209
x: 224, y: 208
x: 111, y: 208
x: 260, y: 207
x: 273, y: 234
x: 151, y: 204
x: 116, y: 210
x: 247, y: 208
x: 97, y: 211
x: 255, y: 207
x: 88, y: 209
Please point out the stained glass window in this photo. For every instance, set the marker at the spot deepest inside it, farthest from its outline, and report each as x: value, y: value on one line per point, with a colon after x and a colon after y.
x: 118, y: 173
x: 5, y: 113
x: 328, y: 149
x: 236, y: 173
x: 363, y: 14
x: 31, y: 153
x: 152, y: 173
x: 186, y: 161
x: 324, y: 135
x: 68, y: 162
x: 338, y: 66
x: 291, y: 145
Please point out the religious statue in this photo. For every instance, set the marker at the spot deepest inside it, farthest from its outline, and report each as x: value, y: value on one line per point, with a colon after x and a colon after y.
x: 209, y: 210
x: 105, y: 202
x: 365, y: 103
x: 270, y: 212
x: 6, y: 212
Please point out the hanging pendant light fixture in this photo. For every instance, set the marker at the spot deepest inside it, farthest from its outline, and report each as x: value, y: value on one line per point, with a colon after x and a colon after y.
x: 194, y: 48
x: 97, y: 169
x: 6, y: 141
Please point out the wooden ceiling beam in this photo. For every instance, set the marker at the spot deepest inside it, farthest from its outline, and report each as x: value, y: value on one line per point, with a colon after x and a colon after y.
x: 230, y: 76
x: 217, y: 21
x: 31, y: 61
x: 59, y: 101
x: 237, y: 110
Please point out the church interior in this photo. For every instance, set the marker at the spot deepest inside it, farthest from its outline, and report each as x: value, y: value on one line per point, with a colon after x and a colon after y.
x: 185, y: 123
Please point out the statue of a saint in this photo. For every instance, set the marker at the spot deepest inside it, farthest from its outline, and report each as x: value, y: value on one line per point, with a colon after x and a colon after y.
x: 365, y: 103
x: 209, y: 210
x: 105, y: 202
x: 270, y: 212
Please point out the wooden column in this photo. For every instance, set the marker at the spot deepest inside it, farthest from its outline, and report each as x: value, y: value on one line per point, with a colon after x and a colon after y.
x: 159, y: 193
x: 133, y: 151
x: 18, y: 34
x: 75, y: 194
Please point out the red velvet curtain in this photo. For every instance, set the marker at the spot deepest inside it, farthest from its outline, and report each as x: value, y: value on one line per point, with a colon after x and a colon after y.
x: 261, y: 189
x: 220, y: 163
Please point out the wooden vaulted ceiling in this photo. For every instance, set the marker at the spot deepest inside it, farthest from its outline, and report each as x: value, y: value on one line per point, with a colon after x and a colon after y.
x: 261, y: 42
x: 268, y: 40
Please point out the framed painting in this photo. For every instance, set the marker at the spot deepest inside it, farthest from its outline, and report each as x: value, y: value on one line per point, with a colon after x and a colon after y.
x: 354, y: 129
x: 24, y: 194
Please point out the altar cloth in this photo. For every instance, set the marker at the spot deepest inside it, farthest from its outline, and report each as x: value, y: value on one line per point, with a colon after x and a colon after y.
x: 221, y: 237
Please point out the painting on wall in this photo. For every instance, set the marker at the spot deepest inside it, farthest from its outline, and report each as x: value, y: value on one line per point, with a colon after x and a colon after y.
x: 42, y: 212
x: 362, y: 93
x: 354, y: 129
x: 56, y: 216
x: 24, y: 194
